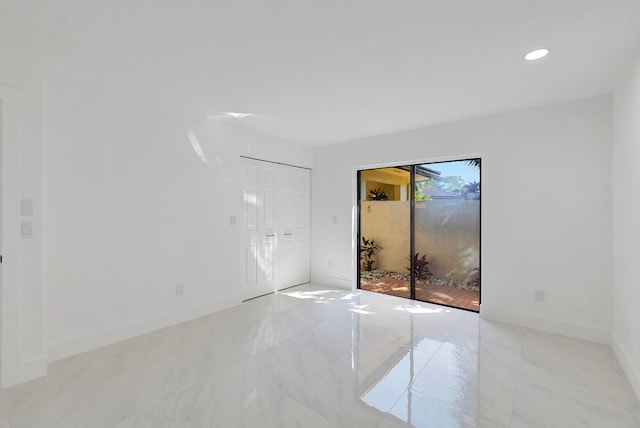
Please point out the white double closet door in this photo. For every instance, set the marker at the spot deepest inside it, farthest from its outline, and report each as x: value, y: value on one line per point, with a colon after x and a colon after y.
x: 276, y: 227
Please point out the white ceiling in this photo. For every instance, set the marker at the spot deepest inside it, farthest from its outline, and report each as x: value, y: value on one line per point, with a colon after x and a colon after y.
x: 321, y: 71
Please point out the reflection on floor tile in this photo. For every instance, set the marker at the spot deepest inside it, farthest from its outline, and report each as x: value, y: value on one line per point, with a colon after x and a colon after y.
x: 415, y: 409
x: 451, y: 377
x: 313, y: 356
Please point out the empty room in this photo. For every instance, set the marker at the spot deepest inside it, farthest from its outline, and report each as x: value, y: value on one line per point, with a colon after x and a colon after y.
x: 319, y: 213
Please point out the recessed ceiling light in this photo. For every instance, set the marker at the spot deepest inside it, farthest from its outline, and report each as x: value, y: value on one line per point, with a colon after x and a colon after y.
x: 537, y: 54
x: 237, y: 115
x: 226, y: 115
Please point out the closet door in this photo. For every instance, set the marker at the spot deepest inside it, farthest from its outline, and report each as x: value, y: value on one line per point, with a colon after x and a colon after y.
x: 295, y: 214
x: 275, y: 227
x: 260, y: 238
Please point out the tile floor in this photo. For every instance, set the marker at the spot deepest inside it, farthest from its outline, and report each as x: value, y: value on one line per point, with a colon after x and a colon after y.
x: 316, y: 357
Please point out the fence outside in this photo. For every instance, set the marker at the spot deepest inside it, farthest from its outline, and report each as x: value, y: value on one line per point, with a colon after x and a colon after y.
x: 447, y: 230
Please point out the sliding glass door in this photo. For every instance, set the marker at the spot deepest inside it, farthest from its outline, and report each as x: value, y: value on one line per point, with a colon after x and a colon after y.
x: 385, y: 230
x: 419, y: 232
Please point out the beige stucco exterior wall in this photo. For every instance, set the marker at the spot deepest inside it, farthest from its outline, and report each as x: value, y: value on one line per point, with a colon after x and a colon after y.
x: 448, y: 231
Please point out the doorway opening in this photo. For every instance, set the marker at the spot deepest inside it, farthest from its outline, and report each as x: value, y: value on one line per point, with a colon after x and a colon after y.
x: 419, y: 232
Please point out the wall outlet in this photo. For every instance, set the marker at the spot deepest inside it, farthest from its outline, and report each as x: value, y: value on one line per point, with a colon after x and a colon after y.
x: 538, y: 295
x: 179, y: 289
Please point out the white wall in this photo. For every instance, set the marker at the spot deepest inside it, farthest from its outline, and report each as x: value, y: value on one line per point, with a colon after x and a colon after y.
x: 546, y: 213
x: 134, y: 207
x: 20, y: 70
x: 626, y: 229
x: 131, y: 209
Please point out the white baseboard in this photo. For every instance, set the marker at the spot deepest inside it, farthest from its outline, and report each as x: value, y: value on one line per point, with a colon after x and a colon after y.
x: 33, y: 368
x: 630, y: 366
x: 332, y: 281
x: 551, y: 325
x: 102, y: 338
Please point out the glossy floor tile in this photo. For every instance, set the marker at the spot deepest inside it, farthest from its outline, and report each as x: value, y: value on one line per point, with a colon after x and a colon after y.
x: 312, y: 356
x: 149, y: 418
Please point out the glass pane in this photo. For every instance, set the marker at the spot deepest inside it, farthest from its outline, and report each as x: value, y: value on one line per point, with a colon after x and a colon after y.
x: 385, y: 211
x: 447, y: 233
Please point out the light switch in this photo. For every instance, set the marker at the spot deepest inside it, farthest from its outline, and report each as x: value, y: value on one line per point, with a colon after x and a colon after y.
x: 27, y: 229
x: 334, y: 219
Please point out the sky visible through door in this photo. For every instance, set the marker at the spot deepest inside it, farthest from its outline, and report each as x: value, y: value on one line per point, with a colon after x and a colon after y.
x: 426, y: 238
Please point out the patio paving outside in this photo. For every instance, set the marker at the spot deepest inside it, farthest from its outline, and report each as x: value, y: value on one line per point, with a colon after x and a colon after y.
x: 450, y: 296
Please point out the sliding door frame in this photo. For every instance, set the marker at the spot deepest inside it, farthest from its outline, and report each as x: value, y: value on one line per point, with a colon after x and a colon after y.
x: 412, y: 235
x: 356, y: 223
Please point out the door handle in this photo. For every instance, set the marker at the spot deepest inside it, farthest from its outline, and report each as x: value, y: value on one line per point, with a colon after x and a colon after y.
x: 288, y: 234
x: 270, y: 235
